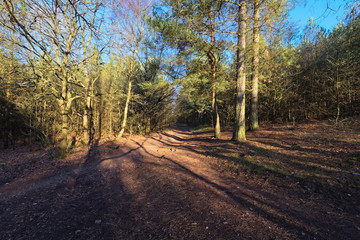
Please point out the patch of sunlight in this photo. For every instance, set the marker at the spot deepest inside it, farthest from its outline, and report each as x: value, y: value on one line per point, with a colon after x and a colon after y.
x: 201, y: 128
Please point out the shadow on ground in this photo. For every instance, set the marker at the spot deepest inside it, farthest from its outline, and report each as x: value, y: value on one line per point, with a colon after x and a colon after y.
x: 168, y: 186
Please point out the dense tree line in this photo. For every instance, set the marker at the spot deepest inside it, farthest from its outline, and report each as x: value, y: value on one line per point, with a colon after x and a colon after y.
x: 314, y: 79
x: 87, y: 69
x: 55, y: 84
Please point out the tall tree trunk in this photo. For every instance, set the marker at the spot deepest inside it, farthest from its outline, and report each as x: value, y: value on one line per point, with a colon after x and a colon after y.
x: 86, y: 125
x: 101, y: 111
x: 128, y: 97
x: 93, y: 119
x: 216, y: 117
x: 212, y: 63
x: 239, y: 124
x: 110, y: 118
x: 63, y: 98
x: 63, y: 102
x: 89, y: 91
x: 254, y: 117
x: 87, y: 110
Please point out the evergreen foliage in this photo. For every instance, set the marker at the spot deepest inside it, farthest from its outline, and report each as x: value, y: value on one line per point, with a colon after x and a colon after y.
x: 63, y: 78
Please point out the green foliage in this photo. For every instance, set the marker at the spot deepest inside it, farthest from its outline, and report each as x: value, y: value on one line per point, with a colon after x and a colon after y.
x: 153, y: 100
x: 323, y: 79
x: 316, y: 79
x: 193, y: 104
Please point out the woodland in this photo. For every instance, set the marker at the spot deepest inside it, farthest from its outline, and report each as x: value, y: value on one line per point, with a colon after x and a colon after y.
x: 91, y: 69
x: 95, y: 94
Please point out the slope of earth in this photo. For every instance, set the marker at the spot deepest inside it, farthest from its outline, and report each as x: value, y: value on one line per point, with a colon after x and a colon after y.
x: 280, y: 184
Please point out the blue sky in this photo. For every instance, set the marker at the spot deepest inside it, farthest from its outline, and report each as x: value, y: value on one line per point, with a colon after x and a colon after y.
x: 317, y: 9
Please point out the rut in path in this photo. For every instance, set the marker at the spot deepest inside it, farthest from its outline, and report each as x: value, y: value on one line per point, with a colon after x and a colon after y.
x: 157, y: 187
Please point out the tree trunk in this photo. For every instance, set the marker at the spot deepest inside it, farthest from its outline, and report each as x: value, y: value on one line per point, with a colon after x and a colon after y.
x: 212, y: 63
x: 54, y: 132
x: 128, y: 97
x: 100, y: 117
x: 65, y: 103
x: 216, y: 117
x: 89, y: 91
x: 64, y: 143
x: 87, y: 113
x: 64, y: 95
x: 239, y: 124
x: 93, y: 119
x: 110, y: 118
x: 254, y: 117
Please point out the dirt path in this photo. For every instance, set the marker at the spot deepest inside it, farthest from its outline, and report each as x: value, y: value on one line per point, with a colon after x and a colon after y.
x: 165, y: 186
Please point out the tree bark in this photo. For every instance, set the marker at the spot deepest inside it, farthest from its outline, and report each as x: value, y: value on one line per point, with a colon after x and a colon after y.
x: 87, y: 110
x: 110, y: 118
x: 254, y: 117
x: 63, y: 102
x: 128, y: 97
x: 89, y: 87
x: 212, y: 63
x: 239, y: 124
x: 101, y: 110
x: 216, y: 117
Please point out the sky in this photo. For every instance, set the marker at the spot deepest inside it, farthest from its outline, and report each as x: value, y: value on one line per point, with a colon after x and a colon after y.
x: 317, y: 9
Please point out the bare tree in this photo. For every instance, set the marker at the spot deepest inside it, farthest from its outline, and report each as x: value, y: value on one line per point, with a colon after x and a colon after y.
x: 129, y: 25
x: 51, y: 30
x: 90, y: 26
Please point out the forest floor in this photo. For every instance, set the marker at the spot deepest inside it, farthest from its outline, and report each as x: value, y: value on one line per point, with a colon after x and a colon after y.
x: 284, y: 182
